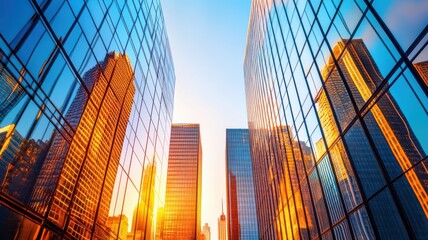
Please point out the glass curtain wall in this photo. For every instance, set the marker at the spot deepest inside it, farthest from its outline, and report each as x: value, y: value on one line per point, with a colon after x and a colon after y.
x: 337, y: 104
x: 86, y: 100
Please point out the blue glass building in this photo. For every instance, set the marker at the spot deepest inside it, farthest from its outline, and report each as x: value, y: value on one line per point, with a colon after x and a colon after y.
x: 86, y: 94
x: 241, y: 208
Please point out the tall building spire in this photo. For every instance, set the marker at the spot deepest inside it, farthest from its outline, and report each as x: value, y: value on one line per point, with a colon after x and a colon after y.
x: 222, y: 224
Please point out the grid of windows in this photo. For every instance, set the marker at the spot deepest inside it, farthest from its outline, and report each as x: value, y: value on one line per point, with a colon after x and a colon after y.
x: 241, y: 206
x: 182, y: 212
x: 337, y: 104
x: 86, y: 100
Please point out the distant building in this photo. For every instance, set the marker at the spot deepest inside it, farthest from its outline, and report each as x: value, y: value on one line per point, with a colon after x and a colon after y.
x: 241, y: 206
x: 183, y: 184
x: 222, y: 225
x: 118, y: 224
x: 206, y: 231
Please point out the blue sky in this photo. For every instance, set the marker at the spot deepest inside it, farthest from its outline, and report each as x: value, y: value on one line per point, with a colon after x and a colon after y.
x: 208, y: 40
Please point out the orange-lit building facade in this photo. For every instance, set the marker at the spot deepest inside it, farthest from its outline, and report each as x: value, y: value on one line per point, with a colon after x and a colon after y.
x: 99, y: 121
x: 337, y: 106
x: 182, y: 211
x: 143, y: 227
x: 422, y: 68
x: 86, y: 93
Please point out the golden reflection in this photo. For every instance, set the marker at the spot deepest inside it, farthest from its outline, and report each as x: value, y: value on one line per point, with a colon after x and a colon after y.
x: 422, y: 68
x: 363, y: 76
x: 70, y: 171
x: 143, y: 217
x: 290, y: 195
x: 118, y: 224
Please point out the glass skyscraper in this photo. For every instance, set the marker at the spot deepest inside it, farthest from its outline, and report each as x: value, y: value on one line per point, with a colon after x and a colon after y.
x: 337, y: 107
x: 182, y: 211
x: 86, y: 94
x: 241, y: 206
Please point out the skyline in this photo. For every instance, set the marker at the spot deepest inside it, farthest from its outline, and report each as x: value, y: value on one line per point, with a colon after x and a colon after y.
x: 138, y: 119
x: 210, y: 87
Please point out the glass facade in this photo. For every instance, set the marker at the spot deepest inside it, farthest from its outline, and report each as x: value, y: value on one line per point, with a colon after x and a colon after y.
x: 337, y: 104
x: 86, y: 100
x: 241, y: 206
x: 182, y: 211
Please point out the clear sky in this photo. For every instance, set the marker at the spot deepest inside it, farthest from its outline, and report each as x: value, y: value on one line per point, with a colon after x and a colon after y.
x: 207, y: 39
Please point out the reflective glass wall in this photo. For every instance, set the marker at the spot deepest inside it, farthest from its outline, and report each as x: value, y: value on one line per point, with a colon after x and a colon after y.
x: 86, y: 100
x: 241, y: 206
x: 337, y: 103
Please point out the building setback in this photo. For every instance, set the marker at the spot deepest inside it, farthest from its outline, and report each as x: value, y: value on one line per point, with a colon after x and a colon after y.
x: 182, y: 210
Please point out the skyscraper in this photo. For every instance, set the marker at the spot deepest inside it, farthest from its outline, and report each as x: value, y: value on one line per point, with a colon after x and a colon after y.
x: 336, y: 150
x: 222, y: 225
x: 241, y: 207
x: 388, y: 126
x: 87, y: 99
x: 206, y: 231
x: 184, y: 183
x: 99, y: 120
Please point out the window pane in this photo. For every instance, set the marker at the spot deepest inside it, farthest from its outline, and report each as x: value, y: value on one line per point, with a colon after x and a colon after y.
x: 387, y: 220
x: 364, y: 160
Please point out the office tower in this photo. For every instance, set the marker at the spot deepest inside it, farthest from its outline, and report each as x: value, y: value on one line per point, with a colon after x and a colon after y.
x: 184, y: 183
x: 89, y: 87
x: 206, y: 231
x: 241, y: 207
x: 221, y: 221
x: 422, y: 68
x: 336, y: 116
x: 143, y: 213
